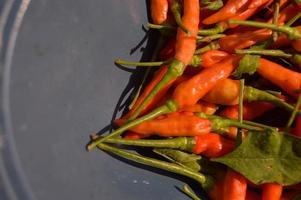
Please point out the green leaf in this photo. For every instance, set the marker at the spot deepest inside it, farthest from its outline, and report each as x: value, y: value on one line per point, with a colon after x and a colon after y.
x: 179, y: 157
x: 248, y: 64
x: 266, y: 157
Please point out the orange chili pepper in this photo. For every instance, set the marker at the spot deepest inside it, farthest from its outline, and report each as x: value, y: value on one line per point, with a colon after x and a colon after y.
x: 225, y: 92
x: 186, y: 44
x: 235, y: 186
x: 174, y: 125
x: 288, y: 80
x: 209, y: 58
x: 213, y: 145
x: 231, y: 8
x: 208, y: 108
x: 243, y: 40
x: 192, y: 90
x: 158, y: 76
x: 271, y: 191
x: 159, y: 10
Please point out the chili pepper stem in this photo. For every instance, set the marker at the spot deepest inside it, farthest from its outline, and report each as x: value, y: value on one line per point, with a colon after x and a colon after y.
x: 209, y: 38
x: 275, y: 19
x: 175, y: 69
x: 204, y: 180
x: 292, y: 33
x: 141, y: 64
x: 156, y: 26
x: 212, y: 31
x: 294, y: 113
x: 211, y: 46
x: 170, y: 106
x: 176, y: 9
x: 219, y: 124
x: 183, y: 143
x: 240, y: 110
x: 253, y: 94
x: 186, y: 189
x: 293, y: 20
x: 267, y: 52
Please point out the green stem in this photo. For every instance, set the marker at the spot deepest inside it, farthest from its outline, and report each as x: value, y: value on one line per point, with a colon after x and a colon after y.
x: 141, y: 64
x: 210, y: 46
x: 204, y: 180
x: 209, y: 38
x: 190, y: 193
x: 292, y: 33
x: 275, y: 93
x: 240, y: 110
x: 183, y: 143
x: 275, y: 19
x: 260, y: 125
x: 267, y: 52
x: 293, y: 20
x: 253, y: 94
x: 159, y: 27
x: 294, y: 113
x: 176, y: 9
x: 170, y: 106
x: 159, y: 45
x: 221, y: 124
x: 176, y: 69
x: 212, y: 31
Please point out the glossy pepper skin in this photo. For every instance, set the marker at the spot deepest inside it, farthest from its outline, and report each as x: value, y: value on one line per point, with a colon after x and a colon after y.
x: 271, y: 191
x: 235, y: 186
x: 213, y: 145
x: 288, y: 80
x: 159, y: 10
x: 174, y: 125
x: 191, y: 91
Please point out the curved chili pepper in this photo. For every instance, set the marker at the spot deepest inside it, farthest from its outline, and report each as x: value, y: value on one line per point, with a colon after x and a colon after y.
x: 284, y: 78
x: 212, y: 145
x: 159, y: 10
x: 189, y: 92
x: 235, y: 186
x: 271, y: 191
x: 208, y: 108
x: 157, y: 77
x: 185, y: 48
x: 243, y: 40
x: 176, y: 9
x: 230, y: 9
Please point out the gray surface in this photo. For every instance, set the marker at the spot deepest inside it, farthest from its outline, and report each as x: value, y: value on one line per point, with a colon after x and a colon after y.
x: 64, y: 86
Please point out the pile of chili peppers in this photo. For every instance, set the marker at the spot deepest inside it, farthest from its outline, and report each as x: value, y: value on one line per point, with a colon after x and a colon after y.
x: 219, y: 68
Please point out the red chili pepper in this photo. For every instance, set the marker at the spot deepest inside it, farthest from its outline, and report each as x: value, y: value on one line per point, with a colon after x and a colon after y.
x: 169, y: 50
x: 177, y: 125
x: 271, y: 191
x: 229, y: 10
x: 288, y: 80
x: 243, y: 40
x: 297, y: 130
x: 213, y: 145
x: 191, y: 91
x: 157, y: 77
x: 235, y: 186
x: 159, y: 9
x: 210, y: 58
x: 225, y: 92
